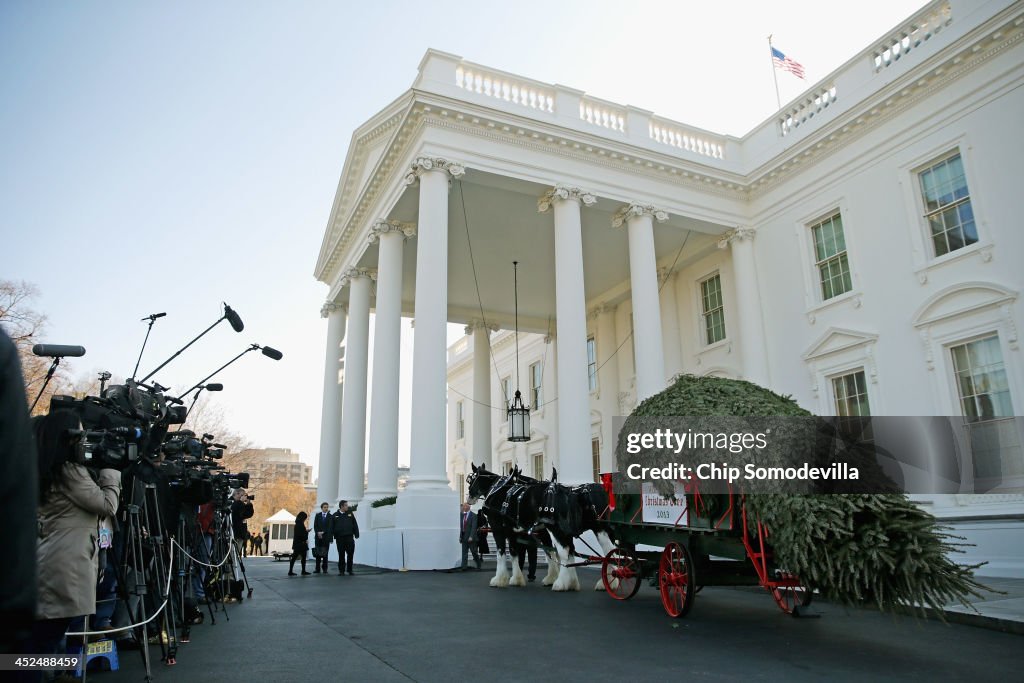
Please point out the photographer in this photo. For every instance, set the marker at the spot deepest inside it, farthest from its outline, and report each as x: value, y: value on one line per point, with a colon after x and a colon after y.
x: 241, y: 510
x: 73, y: 499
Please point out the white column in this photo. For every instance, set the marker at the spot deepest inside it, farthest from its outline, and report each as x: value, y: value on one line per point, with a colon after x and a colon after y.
x: 430, y: 353
x: 357, y: 347
x: 571, y: 334
x: 382, y: 468
x: 427, y: 510
x: 607, y: 384
x: 643, y: 277
x: 481, y: 424
x: 671, y: 341
x: 753, y: 351
x: 330, y: 416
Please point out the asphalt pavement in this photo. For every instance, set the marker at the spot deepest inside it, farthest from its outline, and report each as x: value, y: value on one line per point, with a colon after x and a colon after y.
x: 438, y: 626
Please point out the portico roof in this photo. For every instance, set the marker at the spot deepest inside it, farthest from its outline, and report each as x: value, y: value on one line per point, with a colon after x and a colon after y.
x: 518, y: 137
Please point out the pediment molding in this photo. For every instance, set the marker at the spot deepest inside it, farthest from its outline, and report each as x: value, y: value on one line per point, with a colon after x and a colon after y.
x: 836, y: 339
x: 962, y: 299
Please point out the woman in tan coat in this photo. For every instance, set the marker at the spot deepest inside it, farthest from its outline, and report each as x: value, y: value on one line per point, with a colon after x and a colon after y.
x: 72, y: 501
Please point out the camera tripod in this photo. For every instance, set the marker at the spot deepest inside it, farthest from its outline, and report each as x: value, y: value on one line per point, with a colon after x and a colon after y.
x: 144, y: 567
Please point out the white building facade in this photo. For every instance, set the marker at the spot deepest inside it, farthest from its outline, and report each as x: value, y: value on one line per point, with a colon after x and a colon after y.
x: 858, y: 251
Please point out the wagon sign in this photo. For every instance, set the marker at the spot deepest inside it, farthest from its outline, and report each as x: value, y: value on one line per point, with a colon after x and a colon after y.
x: 661, y: 510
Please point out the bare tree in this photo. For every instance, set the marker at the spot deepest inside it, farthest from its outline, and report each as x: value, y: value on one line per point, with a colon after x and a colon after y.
x: 26, y: 326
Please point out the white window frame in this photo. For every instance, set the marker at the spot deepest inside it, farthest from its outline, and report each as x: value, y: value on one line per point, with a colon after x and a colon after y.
x: 702, y: 315
x: 943, y: 322
x: 922, y: 252
x: 536, y: 391
x: 819, y: 264
x: 814, y: 302
x: 838, y: 352
x: 460, y: 421
x: 592, y: 376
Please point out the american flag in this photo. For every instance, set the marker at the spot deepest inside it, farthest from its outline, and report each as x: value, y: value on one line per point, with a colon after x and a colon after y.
x: 783, y: 62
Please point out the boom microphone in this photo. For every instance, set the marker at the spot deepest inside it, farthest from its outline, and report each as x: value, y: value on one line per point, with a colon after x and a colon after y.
x: 58, y: 350
x: 154, y: 316
x: 233, y: 318
x: 272, y: 353
x: 214, y: 387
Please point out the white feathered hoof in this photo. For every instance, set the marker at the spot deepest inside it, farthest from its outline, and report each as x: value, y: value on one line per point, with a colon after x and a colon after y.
x: 567, y: 580
x: 517, y: 580
x: 499, y: 582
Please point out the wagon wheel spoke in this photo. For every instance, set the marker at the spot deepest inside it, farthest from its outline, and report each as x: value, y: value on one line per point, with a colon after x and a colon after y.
x: 620, y: 573
x: 790, y: 595
x: 676, y: 580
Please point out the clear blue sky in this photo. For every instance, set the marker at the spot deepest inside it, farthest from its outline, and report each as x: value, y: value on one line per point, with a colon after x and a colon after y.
x: 165, y: 157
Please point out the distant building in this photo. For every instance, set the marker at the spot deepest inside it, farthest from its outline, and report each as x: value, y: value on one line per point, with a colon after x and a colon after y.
x: 266, y: 465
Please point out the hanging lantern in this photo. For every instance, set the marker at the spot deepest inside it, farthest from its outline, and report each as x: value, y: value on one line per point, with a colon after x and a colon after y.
x: 518, y: 414
x: 518, y: 419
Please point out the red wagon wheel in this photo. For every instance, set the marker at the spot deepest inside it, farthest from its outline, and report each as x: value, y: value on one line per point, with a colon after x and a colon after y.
x: 676, y: 579
x: 790, y: 595
x: 620, y: 573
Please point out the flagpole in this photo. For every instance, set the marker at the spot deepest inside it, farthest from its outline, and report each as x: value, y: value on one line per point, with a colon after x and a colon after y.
x: 775, y: 75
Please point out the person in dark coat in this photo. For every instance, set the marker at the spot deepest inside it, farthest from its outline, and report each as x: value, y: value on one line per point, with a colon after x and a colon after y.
x: 300, y: 544
x: 241, y: 510
x: 468, y: 537
x: 346, y: 530
x: 19, y: 493
x: 323, y: 527
x: 482, y: 526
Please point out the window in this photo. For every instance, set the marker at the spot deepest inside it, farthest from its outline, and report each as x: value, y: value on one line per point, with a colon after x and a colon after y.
x: 714, y: 314
x: 850, y: 393
x: 536, y: 380
x: 984, y: 393
x: 595, y: 452
x: 830, y: 257
x: 981, y: 380
x: 460, y: 421
x: 592, y: 363
x: 460, y: 486
x: 947, y: 205
x: 506, y: 467
x: 506, y: 390
x: 538, y: 465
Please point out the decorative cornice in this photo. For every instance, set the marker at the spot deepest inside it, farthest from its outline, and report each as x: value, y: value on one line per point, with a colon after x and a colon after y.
x: 634, y: 209
x: 736, y: 235
x: 330, y: 307
x: 563, y: 192
x: 424, y: 164
x: 353, y: 273
x: 382, y: 226
x: 473, y: 325
x: 599, y: 309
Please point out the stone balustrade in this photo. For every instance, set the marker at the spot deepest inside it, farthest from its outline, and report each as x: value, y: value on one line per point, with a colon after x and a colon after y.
x: 494, y: 84
x: 930, y: 30
x: 801, y: 112
x: 911, y: 35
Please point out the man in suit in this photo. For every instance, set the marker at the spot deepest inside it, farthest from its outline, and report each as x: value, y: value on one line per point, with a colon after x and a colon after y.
x: 323, y: 528
x: 346, y: 531
x: 467, y: 536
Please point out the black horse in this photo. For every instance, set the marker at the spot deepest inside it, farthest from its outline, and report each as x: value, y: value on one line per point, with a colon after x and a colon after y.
x: 512, y: 504
x: 569, y: 512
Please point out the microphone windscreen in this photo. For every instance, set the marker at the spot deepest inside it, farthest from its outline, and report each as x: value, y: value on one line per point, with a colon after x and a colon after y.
x: 215, y: 387
x: 58, y: 350
x: 233, y: 318
x: 272, y: 353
